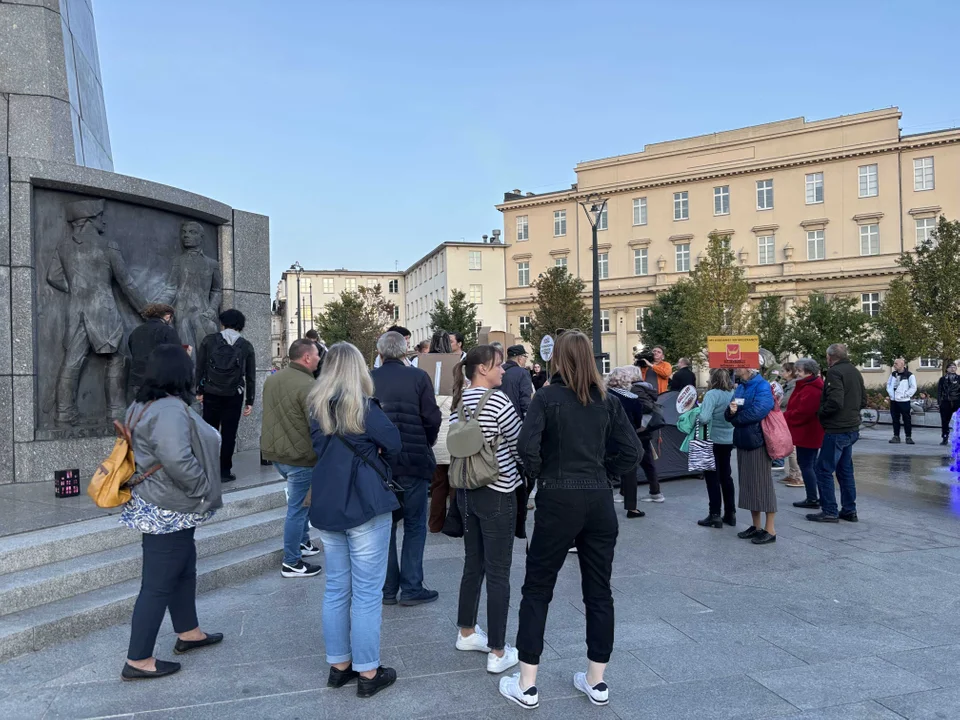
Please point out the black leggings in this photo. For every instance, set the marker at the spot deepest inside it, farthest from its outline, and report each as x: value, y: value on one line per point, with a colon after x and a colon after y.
x: 720, y: 481
x: 649, y: 468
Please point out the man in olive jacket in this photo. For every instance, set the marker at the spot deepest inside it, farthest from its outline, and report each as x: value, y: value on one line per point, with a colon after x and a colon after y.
x: 285, y: 441
x: 843, y: 397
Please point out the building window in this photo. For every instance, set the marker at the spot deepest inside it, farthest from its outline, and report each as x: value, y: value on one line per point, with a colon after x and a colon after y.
x: 869, y: 239
x: 870, y: 303
x: 605, y: 364
x: 559, y: 223
x: 868, y: 181
x: 721, y: 200
x: 393, y: 286
x: 603, y: 262
x: 681, y: 206
x: 350, y: 284
x: 641, y: 316
x: 476, y: 261
x: 872, y: 361
x: 764, y: 194
x: 683, y: 257
x: 814, y: 187
x: 923, y: 174
x: 524, y: 323
x: 640, y: 211
x: 604, y: 321
x: 925, y: 228
x: 476, y: 294
x: 523, y: 228
x: 560, y: 262
x: 816, y: 245
x: 327, y: 285
x: 602, y: 222
x: 396, y: 312
x: 640, y: 261
x: 930, y: 363
x: 765, y: 245
x: 523, y: 274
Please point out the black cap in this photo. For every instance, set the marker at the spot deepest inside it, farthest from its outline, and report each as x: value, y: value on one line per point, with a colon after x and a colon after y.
x: 516, y: 351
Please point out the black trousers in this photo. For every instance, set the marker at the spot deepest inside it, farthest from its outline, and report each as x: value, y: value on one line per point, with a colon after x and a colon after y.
x: 169, y: 581
x: 488, y: 528
x: 649, y: 468
x: 947, y: 410
x: 224, y: 413
x: 563, y: 518
x: 900, y: 412
x: 628, y: 488
x: 720, y: 481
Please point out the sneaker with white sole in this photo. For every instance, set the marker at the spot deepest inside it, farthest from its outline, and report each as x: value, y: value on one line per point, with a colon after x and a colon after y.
x: 477, y: 641
x: 618, y: 498
x: 301, y: 569
x: 308, y: 549
x: 497, y: 665
x: 510, y: 689
x: 599, y: 694
x: 658, y: 498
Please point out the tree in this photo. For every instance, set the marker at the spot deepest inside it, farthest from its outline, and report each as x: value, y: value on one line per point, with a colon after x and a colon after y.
x: 820, y: 322
x: 359, y: 317
x: 720, y: 291
x: 558, y: 298
x: 768, y: 321
x: 672, y: 324
x: 460, y: 316
x: 901, y: 330
x: 934, y: 285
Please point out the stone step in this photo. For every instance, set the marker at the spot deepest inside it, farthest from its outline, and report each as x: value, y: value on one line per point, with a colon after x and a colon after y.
x: 36, y: 586
x: 53, y: 545
x: 71, y: 617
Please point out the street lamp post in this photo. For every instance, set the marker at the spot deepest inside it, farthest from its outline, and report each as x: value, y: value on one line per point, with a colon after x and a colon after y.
x: 594, y: 207
x: 298, y: 269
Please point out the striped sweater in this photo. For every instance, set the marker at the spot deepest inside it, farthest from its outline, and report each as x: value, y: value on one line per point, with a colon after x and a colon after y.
x: 498, y: 419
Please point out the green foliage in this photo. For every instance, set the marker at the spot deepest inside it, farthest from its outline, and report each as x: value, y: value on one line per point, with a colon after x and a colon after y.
x: 558, y: 298
x: 934, y: 285
x: 359, y: 317
x: 720, y: 290
x: 768, y: 321
x: 901, y: 330
x: 460, y: 316
x: 671, y: 323
x: 820, y: 322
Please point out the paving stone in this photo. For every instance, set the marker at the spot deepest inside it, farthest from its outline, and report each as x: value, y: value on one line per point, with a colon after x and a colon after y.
x: 821, y: 644
x: 681, y: 662
x: 935, y: 664
x: 869, y: 710
x: 718, y: 698
x: 943, y: 704
x: 628, y: 636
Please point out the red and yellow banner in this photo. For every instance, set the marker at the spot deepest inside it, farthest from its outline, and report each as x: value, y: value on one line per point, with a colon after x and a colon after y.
x: 734, y: 351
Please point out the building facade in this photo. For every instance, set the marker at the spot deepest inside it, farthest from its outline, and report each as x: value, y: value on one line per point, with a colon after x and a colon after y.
x: 824, y: 206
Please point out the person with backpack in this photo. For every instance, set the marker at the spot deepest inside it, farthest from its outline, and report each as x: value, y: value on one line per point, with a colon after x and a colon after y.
x: 157, y: 330
x: 948, y: 399
x: 176, y: 457
x: 482, y: 440
x: 575, y: 437
x: 226, y: 369
x: 720, y: 479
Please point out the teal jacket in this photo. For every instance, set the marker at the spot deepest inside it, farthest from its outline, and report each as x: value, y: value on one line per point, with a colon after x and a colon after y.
x: 715, y: 402
x: 687, y: 423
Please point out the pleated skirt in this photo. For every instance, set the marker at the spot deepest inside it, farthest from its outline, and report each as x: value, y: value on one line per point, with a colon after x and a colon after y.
x: 757, y: 493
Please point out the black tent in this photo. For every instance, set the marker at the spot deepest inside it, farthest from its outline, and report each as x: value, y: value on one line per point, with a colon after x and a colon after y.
x: 671, y: 463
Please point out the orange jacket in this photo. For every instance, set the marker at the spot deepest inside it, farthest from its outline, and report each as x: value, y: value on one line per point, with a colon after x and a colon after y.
x: 662, y: 370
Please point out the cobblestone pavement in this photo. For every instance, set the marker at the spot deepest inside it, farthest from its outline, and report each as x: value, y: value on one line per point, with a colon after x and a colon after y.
x: 849, y: 621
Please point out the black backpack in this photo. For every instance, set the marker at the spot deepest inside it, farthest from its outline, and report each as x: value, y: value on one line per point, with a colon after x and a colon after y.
x: 225, y: 368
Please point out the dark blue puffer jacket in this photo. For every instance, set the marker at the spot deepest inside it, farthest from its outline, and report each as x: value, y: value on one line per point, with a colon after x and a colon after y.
x: 406, y: 396
x: 757, y: 404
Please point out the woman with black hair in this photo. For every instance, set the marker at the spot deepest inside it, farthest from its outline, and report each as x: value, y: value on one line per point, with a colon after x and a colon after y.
x: 177, y: 459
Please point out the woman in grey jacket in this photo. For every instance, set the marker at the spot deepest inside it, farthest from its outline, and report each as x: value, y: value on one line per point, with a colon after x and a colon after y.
x: 178, y: 458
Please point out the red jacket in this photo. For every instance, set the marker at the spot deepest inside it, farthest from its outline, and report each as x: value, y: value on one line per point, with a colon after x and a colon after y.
x: 801, y: 414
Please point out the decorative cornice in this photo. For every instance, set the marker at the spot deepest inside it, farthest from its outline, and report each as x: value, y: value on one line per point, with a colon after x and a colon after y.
x: 865, y: 218
x: 639, y: 242
x: 601, y: 246
x: 676, y: 239
x: 560, y: 251
x: 522, y: 256
x: 932, y: 210
x: 814, y: 224
x: 721, y: 233
x: 764, y: 229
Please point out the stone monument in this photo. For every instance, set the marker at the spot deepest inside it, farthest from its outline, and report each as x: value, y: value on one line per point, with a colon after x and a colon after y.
x: 83, y: 249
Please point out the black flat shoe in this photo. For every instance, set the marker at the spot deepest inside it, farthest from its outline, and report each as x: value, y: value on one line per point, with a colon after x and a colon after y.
x: 807, y: 504
x: 730, y: 519
x: 339, y: 678
x: 183, y: 646
x: 749, y: 532
x: 384, y: 678
x: 763, y: 538
x: 227, y: 477
x: 713, y: 521
x: 164, y: 668
x: 823, y: 518
x: 632, y: 514
x: 849, y: 517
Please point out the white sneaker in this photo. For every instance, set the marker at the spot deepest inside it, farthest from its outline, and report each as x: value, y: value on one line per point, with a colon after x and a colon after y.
x: 477, y: 641
x: 510, y: 689
x: 308, y: 549
x: 497, y: 665
x: 599, y: 694
x: 618, y: 499
x: 658, y: 498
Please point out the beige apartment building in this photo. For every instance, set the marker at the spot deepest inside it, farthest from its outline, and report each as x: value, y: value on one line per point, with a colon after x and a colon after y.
x: 824, y: 206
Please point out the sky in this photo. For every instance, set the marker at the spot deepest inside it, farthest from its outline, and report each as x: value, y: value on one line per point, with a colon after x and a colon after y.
x: 370, y: 131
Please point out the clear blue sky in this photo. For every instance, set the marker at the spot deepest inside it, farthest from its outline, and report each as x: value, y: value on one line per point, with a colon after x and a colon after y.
x: 370, y: 131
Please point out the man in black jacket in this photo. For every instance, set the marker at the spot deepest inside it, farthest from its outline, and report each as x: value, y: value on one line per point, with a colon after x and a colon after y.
x: 226, y: 366
x: 948, y: 398
x: 157, y: 330
x: 683, y: 376
x: 406, y: 396
x: 517, y: 383
x: 843, y: 397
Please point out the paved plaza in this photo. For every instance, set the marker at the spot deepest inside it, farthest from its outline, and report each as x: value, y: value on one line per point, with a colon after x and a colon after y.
x: 840, y: 622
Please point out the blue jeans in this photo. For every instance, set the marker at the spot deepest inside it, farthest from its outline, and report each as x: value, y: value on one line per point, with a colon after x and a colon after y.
x: 836, y: 456
x: 352, y: 599
x: 406, y: 576
x: 296, y: 529
x: 807, y: 460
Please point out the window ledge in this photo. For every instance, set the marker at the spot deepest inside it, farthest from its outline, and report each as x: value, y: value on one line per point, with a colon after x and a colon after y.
x: 639, y: 242
x: 815, y: 224
x: 680, y: 239
x: 867, y: 218
x: 560, y: 251
x: 722, y: 233
x: 523, y: 256
x: 923, y: 212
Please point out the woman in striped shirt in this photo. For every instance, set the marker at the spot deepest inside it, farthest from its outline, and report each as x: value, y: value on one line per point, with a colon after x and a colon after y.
x: 489, y: 513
